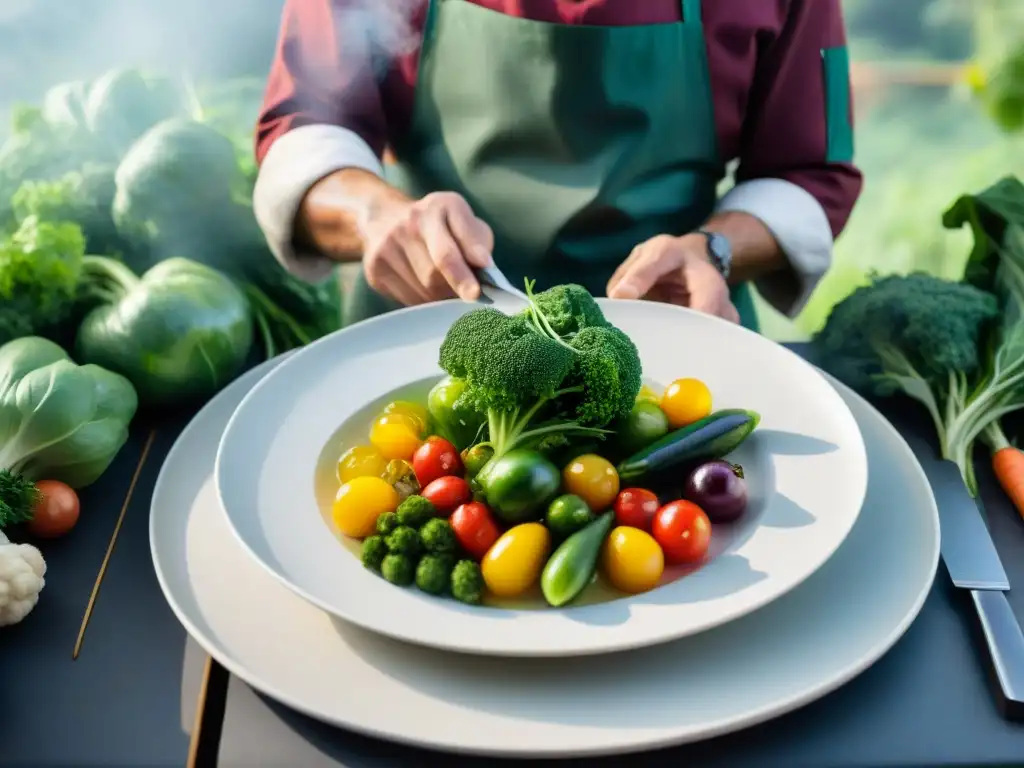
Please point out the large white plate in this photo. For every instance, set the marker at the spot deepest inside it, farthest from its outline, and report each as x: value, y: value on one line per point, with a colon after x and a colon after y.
x: 806, y: 464
x: 797, y: 649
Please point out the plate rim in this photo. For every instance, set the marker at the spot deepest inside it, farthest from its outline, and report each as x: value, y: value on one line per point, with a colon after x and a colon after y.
x: 631, y: 642
x: 764, y: 714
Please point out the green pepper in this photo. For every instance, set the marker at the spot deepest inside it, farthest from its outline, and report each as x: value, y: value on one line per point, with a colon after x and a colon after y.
x: 454, y: 421
x: 572, y: 566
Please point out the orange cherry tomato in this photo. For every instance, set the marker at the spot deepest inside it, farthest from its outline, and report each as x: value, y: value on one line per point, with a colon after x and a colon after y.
x: 56, y: 512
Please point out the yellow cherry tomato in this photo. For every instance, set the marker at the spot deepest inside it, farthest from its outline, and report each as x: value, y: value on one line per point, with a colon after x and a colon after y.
x: 632, y: 560
x: 360, y: 502
x: 686, y: 401
x: 396, y: 436
x: 513, y: 563
x: 361, y: 461
x: 647, y: 394
x: 417, y: 414
x: 593, y: 478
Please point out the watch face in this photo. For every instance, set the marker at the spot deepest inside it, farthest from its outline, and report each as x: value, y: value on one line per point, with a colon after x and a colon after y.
x: 721, y: 252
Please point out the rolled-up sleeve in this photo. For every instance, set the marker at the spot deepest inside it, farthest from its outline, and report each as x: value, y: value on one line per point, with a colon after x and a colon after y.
x: 322, y: 112
x: 788, y: 177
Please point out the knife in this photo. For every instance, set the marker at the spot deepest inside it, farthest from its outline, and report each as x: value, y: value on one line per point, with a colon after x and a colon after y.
x: 495, y: 288
x: 973, y: 564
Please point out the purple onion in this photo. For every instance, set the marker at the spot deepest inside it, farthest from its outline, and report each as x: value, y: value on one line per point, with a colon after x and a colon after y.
x: 719, y: 489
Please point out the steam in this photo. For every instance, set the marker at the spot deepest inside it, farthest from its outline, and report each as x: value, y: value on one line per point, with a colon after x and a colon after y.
x: 384, y: 29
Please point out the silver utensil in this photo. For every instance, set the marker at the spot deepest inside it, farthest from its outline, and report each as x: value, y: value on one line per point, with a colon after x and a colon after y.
x: 973, y: 564
x: 495, y: 288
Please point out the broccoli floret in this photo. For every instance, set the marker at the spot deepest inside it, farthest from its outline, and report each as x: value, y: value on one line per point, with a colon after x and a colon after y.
x: 404, y: 541
x: 532, y: 381
x: 505, y: 362
x: 373, y: 552
x: 387, y: 522
x: 905, y: 330
x: 569, y: 309
x: 608, y: 368
x: 912, y: 333
x: 438, y: 537
x: 467, y: 582
x: 415, y: 511
x: 433, y: 574
x: 398, y: 569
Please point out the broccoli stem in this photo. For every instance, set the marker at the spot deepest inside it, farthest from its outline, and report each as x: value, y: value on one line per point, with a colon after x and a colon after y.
x: 509, y: 429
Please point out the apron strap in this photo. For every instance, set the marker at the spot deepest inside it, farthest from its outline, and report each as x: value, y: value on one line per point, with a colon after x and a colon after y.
x: 429, y: 23
x: 691, y: 12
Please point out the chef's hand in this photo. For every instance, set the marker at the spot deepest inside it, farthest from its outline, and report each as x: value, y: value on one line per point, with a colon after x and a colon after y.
x: 675, y: 270
x: 424, y: 250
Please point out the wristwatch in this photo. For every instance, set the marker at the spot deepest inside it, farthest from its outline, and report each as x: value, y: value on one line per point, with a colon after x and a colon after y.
x: 719, y: 251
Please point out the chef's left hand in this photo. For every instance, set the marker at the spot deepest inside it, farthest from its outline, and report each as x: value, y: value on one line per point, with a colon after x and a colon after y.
x: 675, y: 270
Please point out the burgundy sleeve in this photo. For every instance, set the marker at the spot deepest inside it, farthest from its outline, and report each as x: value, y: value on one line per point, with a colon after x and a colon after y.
x: 314, y: 78
x: 785, y: 134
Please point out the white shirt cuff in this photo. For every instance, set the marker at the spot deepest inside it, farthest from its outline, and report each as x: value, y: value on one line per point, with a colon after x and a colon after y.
x: 801, y: 228
x: 294, y: 163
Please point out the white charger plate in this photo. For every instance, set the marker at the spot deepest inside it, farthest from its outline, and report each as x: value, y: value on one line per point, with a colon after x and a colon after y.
x: 789, y: 653
x: 806, y: 466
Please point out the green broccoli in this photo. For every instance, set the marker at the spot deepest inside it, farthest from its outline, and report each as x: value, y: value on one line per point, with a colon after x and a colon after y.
x: 467, y: 582
x: 387, y: 522
x: 373, y: 552
x: 915, y: 334
x: 569, y: 309
x: 404, y: 541
x: 438, y: 537
x: 533, y: 381
x: 398, y: 569
x: 414, y: 511
x: 433, y: 573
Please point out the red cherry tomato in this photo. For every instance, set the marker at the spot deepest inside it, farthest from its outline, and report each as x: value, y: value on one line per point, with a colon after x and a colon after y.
x: 436, y: 458
x: 56, y: 511
x: 683, y: 531
x: 447, y: 493
x: 475, y: 528
x: 636, y: 507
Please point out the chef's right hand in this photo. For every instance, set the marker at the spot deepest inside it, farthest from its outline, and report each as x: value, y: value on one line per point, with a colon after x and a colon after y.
x: 425, y: 250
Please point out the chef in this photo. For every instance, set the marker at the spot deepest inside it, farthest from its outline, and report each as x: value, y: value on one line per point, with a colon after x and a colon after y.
x: 568, y: 140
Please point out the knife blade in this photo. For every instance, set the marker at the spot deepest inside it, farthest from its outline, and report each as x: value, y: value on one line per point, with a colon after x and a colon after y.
x: 497, y: 289
x: 973, y: 563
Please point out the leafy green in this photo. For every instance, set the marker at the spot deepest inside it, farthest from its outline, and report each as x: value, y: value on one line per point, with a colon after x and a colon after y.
x: 81, y: 197
x: 18, y: 497
x: 59, y: 420
x: 957, y: 347
x: 180, y: 332
x: 40, y: 272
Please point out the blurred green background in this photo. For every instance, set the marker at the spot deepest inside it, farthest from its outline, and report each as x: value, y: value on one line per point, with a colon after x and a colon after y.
x: 924, y: 134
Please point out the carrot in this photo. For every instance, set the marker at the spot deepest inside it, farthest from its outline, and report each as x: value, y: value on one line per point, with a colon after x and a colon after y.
x: 1008, y: 465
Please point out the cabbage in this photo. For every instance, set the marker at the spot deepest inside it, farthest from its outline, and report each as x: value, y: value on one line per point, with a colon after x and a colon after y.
x: 59, y: 420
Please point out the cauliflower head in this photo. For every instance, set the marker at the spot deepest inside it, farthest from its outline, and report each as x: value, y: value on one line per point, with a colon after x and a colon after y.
x: 22, y: 569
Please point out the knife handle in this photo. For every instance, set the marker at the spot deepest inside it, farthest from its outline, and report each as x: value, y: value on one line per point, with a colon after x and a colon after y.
x: 1005, y: 642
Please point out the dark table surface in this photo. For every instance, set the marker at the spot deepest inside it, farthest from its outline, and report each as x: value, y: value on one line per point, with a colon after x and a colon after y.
x: 131, y: 696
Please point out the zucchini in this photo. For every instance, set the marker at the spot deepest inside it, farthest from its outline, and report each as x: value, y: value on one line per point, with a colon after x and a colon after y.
x: 712, y: 437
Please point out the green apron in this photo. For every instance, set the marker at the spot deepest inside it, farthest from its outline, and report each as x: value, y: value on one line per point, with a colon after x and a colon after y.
x: 575, y: 143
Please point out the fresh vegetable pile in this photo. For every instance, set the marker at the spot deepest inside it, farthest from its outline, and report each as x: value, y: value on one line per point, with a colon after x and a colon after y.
x: 127, y: 235
x: 956, y: 347
x: 61, y: 424
x: 540, y: 460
